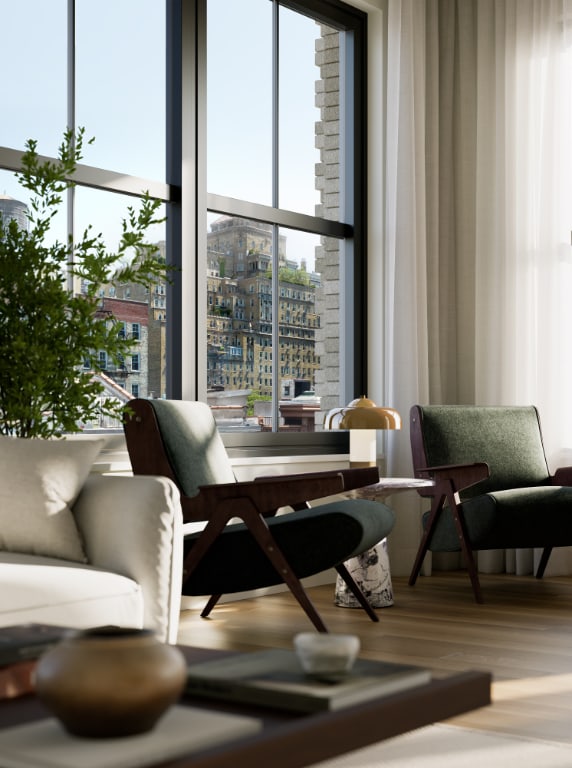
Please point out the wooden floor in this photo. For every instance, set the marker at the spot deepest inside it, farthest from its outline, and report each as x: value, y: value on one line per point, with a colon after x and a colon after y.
x: 522, y: 634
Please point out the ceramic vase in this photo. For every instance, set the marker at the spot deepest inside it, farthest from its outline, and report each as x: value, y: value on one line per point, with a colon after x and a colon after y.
x: 110, y: 681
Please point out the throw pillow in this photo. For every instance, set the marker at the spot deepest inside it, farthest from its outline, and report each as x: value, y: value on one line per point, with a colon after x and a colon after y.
x: 39, y: 482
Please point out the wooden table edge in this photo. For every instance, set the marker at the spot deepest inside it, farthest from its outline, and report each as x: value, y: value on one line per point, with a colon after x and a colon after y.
x: 310, y: 739
x: 296, y: 740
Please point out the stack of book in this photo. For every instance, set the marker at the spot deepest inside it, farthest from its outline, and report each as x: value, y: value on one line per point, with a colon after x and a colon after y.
x: 275, y: 678
x: 21, y: 645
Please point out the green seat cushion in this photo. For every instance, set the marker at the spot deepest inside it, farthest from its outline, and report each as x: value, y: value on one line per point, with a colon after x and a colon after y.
x: 538, y: 516
x: 312, y: 540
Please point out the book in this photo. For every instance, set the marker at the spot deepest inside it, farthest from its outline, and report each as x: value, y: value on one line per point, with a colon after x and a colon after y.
x: 17, y: 679
x: 20, y: 642
x: 274, y: 678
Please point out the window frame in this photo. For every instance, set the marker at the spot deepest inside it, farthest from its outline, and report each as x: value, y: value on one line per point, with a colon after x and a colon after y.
x: 184, y: 192
x: 188, y: 331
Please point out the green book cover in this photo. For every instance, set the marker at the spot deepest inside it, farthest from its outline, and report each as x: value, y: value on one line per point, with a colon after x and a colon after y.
x: 275, y: 678
x: 19, y: 642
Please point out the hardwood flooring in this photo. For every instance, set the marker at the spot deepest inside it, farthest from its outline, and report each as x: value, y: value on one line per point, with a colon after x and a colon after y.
x: 522, y: 634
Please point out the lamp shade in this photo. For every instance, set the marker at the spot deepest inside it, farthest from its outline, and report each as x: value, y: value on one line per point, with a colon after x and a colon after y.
x: 362, y: 418
x: 362, y: 413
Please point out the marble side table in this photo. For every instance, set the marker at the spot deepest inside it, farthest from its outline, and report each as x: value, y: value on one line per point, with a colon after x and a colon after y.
x: 371, y: 570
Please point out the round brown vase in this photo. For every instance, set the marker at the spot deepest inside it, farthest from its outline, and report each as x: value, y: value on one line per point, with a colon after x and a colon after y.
x: 110, y: 681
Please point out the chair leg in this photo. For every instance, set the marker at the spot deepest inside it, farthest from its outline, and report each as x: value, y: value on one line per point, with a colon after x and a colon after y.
x: 436, y: 508
x: 546, y: 552
x: 421, y: 552
x: 213, y: 600
x: 358, y: 594
x: 259, y: 529
x: 459, y: 521
x: 263, y: 536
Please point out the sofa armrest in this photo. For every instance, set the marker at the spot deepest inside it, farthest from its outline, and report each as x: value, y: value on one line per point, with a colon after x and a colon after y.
x: 133, y: 526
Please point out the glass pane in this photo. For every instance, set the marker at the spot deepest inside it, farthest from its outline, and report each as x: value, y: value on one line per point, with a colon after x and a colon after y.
x: 239, y: 320
x: 33, y: 43
x: 14, y: 202
x: 240, y: 351
x: 142, y: 312
x: 239, y: 99
x: 299, y: 81
x: 309, y: 117
x: 120, y: 84
x: 299, y: 291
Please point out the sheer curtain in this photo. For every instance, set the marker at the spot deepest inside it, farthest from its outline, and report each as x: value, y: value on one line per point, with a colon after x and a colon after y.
x: 479, y: 218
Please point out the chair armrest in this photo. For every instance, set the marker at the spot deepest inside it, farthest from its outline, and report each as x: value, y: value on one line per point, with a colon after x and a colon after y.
x: 352, y: 478
x: 562, y: 476
x: 266, y: 494
x: 459, y: 476
x: 133, y: 526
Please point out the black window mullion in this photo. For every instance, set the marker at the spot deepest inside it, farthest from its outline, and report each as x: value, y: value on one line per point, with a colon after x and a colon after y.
x: 275, y: 204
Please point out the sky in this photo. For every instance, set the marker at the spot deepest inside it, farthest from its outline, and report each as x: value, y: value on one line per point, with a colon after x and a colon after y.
x: 120, y: 99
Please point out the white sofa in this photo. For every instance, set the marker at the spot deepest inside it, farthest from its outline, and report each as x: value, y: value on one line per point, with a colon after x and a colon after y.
x: 131, y: 528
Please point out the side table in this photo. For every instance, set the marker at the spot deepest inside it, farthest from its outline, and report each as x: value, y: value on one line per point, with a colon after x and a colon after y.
x: 371, y: 570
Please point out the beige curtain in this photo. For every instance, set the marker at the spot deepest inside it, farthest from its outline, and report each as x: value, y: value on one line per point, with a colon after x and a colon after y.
x: 478, y: 218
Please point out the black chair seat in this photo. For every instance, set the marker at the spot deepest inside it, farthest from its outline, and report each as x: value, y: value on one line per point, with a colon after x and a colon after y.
x: 309, y: 546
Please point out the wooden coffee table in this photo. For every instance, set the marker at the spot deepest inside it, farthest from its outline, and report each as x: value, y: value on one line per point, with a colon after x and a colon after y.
x: 290, y: 740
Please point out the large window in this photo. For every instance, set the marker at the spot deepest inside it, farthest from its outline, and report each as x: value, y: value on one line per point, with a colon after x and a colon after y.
x: 120, y: 100
x: 248, y: 120
x: 284, y: 238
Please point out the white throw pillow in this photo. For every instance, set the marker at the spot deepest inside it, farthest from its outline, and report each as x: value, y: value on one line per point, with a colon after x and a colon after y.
x: 39, y: 482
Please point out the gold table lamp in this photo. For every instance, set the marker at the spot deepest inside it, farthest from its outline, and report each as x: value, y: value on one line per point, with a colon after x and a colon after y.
x: 362, y: 417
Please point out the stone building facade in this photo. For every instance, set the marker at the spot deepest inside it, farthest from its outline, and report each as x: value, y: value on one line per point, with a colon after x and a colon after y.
x: 132, y: 373
x: 328, y: 182
x: 239, y: 311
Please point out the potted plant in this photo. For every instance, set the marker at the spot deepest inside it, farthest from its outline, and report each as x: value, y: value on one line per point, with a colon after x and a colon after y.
x: 50, y: 337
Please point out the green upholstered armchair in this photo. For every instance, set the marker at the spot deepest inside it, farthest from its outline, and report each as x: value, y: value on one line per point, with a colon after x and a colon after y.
x: 493, y: 488
x: 179, y: 440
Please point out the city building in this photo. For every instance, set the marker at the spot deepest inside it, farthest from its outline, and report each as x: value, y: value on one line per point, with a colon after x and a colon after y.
x: 13, y: 210
x: 143, y: 313
x: 239, y: 309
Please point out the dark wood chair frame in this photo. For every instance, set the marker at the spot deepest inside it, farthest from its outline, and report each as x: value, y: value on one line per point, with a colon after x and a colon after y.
x: 449, y: 482
x: 250, y: 501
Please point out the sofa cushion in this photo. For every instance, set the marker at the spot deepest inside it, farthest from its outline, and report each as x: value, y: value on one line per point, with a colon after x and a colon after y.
x: 39, y: 482
x: 47, y: 590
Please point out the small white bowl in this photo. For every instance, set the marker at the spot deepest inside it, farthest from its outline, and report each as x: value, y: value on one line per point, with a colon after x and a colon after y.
x: 325, y: 653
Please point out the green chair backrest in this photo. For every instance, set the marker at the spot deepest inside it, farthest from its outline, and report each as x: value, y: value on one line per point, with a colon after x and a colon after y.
x: 508, y: 438
x: 193, y: 444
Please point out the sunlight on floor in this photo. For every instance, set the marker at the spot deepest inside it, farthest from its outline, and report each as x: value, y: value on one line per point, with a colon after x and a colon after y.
x: 507, y: 690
